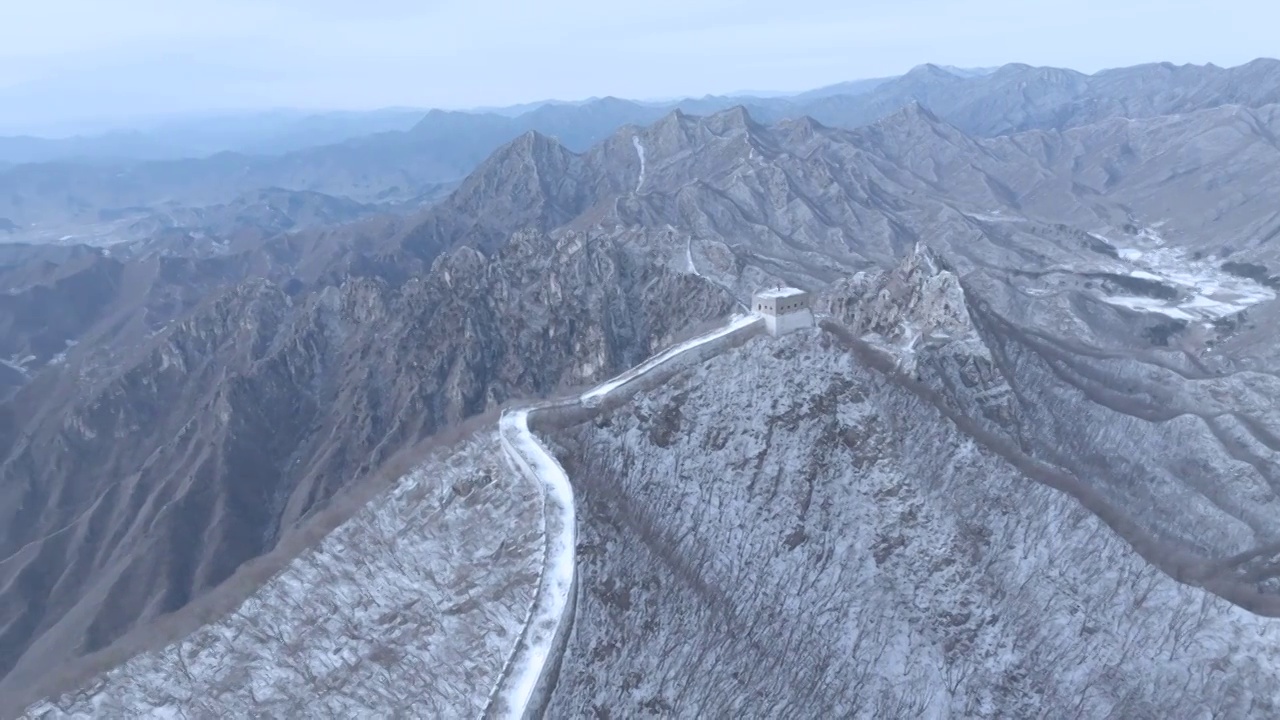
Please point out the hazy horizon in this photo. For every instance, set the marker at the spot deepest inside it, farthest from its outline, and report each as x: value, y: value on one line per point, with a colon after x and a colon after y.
x: 147, y: 59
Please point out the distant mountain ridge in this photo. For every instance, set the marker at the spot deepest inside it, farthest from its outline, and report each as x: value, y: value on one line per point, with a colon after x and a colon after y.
x: 264, y: 133
x: 279, y: 132
x: 405, y: 166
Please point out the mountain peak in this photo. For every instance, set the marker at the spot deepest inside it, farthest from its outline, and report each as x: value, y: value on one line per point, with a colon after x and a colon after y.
x: 911, y: 114
x: 929, y: 70
x: 535, y: 142
x: 730, y: 119
x: 1022, y: 71
x: 675, y: 123
x: 1009, y: 69
x: 920, y: 297
x: 905, y: 128
x: 802, y: 127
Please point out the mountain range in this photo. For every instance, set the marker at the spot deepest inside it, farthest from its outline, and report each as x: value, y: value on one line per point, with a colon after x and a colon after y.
x: 264, y: 133
x: 1047, y: 303
x: 50, y: 201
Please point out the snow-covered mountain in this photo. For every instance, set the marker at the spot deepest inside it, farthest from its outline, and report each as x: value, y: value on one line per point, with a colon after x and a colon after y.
x: 784, y: 527
x: 1041, y: 394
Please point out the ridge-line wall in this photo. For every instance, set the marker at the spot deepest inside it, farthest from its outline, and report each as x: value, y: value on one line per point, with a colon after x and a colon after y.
x: 556, y: 416
x: 563, y: 413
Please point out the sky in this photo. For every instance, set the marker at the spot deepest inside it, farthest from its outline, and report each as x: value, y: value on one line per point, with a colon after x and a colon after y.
x: 71, y: 61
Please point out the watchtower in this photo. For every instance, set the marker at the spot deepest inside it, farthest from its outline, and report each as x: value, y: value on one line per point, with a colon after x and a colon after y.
x: 784, y: 309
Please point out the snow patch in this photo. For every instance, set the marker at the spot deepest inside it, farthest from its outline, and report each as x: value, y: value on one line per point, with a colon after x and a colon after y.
x: 635, y: 140
x: 15, y: 367
x: 782, y: 292
x: 1149, y: 305
x: 993, y: 216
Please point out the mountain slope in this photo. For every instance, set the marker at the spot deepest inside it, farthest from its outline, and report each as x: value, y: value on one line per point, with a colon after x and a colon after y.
x: 1019, y: 97
x: 825, y: 545
x: 255, y: 133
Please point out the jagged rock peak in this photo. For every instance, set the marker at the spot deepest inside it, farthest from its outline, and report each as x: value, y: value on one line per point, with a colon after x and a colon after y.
x: 914, y: 113
x: 734, y: 118
x: 535, y: 142
x: 675, y: 118
x: 920, y: 297
x: 907, y: 125
x: 800, y: 129
x: 674, y: 132
x: 531, y: 149
x: 910, y: 117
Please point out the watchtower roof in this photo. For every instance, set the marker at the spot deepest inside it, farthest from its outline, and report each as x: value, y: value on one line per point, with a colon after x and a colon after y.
x: 782, y: 292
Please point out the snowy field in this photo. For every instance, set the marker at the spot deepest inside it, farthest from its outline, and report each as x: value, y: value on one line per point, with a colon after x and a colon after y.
x: 1206, y: 292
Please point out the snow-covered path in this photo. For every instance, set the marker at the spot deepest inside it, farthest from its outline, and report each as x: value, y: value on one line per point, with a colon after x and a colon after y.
x: 523, y: 671
x: 526, y: 672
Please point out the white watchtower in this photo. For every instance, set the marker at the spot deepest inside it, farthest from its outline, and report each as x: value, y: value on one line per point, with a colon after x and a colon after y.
x: 784, y: 309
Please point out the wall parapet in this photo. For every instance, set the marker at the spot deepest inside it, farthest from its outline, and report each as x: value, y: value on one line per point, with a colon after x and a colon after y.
x: 528, y: 677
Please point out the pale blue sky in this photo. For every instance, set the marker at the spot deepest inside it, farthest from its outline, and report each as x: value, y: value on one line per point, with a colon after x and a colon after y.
x: 77, y: 59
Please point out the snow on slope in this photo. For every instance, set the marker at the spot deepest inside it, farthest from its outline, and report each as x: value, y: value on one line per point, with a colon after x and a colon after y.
x: 411, y: 608
x: 407, y: 610
x: 781, y: 532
